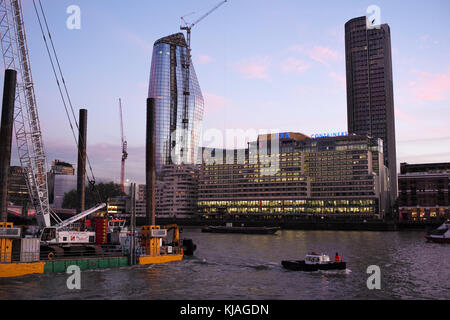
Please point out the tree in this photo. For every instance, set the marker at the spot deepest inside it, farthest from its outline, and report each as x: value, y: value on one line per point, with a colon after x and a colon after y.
x: 96, y: 194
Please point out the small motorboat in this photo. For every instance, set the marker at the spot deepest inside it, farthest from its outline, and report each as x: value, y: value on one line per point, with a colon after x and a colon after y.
x: 441, y: 234
x: 314, y: 262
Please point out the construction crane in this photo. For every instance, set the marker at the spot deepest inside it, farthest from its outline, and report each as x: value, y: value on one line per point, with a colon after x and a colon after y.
x: 186, y: 68
x: 26, y: 121
x: 124, y: 150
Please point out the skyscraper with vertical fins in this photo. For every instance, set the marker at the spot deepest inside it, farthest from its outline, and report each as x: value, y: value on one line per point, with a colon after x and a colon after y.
x: 178, y: 126
x: 370, y: 93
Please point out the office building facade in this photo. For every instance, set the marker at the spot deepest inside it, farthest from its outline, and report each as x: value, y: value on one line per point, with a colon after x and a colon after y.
x: 62, y: 167
x: 424, y: 191
x: 370, y: 98
x: 333, y: 176
x: 61, y: 179
x: 176, y: 192
x: 17, y: 187
x: 177, y: 125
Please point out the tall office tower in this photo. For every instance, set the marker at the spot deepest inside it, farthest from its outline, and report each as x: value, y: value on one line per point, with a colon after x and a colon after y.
x: 178, y: 124
x: 370, y: 98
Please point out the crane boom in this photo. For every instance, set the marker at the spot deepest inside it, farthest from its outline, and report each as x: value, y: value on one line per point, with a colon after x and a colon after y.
x: 79, y: 216
x: 186, y: 65
x: 121, y: 120
x: 208, y: 13
x: 26, y: 120
x: 124, y: 150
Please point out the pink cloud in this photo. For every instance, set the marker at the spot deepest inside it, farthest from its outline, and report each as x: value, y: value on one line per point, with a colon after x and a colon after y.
x: 431, y: 87
x: 424, y: 37
x: 323, y: 55
x: 405, y: 117
x: 136, y: 40
x: 105, y: 158
x: 294, y: 65
x: 339, y: 78
x: 213, y: 103
x: 255, y: 68
x: 203, y: 59
x: 425, y: 41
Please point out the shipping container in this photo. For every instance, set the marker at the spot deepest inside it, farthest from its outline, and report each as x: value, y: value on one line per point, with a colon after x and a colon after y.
x: 30, y: 249
x: 26, y: 249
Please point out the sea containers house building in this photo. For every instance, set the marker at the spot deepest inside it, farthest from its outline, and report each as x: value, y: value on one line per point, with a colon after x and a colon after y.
x: 177, y: 125
x: 333, y: 176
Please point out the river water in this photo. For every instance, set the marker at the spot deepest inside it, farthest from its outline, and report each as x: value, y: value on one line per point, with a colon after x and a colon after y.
x: 237, y: 266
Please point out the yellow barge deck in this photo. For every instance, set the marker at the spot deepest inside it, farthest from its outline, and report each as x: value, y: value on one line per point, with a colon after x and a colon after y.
x: 160, y: 259
x: 12, y: 269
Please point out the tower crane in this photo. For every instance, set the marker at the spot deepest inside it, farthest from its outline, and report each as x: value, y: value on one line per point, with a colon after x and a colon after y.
x: 124, y: 150
x: 186, y: 68
x: 27, y: 126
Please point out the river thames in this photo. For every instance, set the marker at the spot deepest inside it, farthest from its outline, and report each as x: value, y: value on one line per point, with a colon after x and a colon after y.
x: 239, y: 267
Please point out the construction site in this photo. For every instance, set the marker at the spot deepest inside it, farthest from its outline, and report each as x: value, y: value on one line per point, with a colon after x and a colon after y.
x: 91, y: 238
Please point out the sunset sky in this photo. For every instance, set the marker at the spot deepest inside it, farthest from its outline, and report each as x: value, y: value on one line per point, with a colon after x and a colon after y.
x: 261, y: 65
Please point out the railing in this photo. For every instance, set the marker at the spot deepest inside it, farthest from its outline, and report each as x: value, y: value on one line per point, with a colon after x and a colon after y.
x: 164, y: 251
x: 87, y: 251
x: 19, y: 257
x: 175, y: 250
x: 76, y: 252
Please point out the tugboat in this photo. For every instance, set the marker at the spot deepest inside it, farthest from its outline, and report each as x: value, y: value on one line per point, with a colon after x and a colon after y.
x: 315, y: 262
x: 441, y: 234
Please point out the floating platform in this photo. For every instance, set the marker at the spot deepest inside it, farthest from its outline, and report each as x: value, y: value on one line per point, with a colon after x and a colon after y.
x: 246, y: 230
x: 10, y: 270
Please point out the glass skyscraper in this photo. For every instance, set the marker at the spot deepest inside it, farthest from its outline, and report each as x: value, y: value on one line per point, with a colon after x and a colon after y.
x: 177, y: 125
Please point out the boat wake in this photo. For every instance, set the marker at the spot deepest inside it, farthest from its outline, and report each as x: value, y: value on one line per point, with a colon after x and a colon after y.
x: 346, y: 271
x: 257, y: 267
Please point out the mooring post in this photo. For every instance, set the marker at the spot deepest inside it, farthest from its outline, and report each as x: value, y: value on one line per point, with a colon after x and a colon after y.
x: 132, y: 255
x: 6, y: 131
x: 81, y: 165
x: 150, y: 163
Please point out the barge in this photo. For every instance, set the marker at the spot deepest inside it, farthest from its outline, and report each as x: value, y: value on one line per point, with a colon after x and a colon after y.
x: 150, y: 245
x: 246, y: 230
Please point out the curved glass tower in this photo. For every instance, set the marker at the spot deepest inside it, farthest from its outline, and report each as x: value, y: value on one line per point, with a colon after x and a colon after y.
x: 177, y: 125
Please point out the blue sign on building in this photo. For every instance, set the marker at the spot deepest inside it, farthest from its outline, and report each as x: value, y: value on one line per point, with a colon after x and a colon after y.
x: 325, y: 135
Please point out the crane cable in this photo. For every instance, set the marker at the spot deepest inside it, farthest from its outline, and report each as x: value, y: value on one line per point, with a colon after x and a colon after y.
x: 91, y: 181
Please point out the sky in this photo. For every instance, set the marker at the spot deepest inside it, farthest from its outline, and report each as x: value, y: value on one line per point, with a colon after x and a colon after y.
x: 262, y: 65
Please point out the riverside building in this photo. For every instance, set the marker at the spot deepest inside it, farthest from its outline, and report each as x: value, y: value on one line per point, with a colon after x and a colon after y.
x: 176, y: 194
x: 61, y: 179
x: 424, y: 191
x: 295, y: 176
